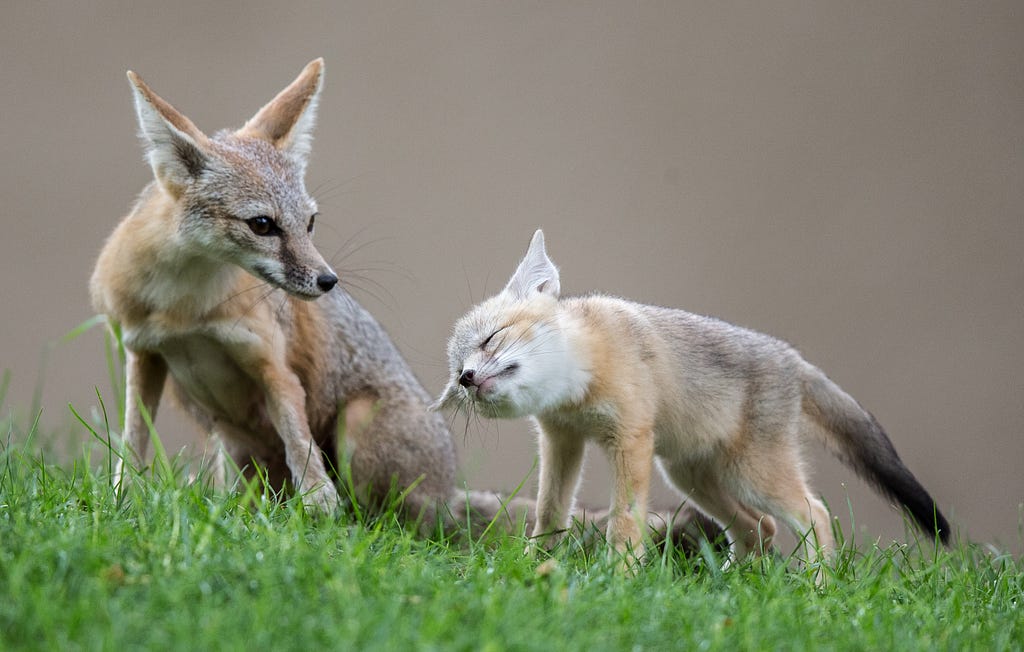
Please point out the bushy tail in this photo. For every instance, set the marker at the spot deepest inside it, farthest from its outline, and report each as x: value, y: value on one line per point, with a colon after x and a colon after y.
x: 859, y: 441
x: 475, y: 513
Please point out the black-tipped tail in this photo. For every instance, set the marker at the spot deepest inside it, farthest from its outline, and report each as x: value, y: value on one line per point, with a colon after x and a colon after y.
x: 859, y: 441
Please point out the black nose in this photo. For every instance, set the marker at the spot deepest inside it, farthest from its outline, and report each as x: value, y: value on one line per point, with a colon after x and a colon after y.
x: 326, y: 281
x: 466, y: 379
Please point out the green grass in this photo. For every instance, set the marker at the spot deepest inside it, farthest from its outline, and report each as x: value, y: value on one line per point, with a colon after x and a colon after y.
x: 170, y: 564
x: 167, y: 563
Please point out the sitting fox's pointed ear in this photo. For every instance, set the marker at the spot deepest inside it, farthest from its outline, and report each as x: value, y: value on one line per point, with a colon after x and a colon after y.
x: 176, y: 149
x: 287, y: 120
x: 536, y: 272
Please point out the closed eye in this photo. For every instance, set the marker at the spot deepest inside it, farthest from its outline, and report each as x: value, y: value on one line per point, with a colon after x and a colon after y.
x: 491, y: 337
x: 312, y: 219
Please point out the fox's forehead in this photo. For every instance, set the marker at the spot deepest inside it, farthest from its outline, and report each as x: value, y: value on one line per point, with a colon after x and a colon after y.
x: 486, y: 316
x: 255, y: 172
x: 498, y: 312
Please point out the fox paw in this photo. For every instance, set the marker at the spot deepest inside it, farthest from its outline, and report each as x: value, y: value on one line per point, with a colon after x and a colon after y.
x: 321, y: 499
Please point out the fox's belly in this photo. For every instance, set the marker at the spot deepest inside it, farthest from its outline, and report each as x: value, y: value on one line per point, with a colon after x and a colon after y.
x: 208, y: 377
x: 687, y: 433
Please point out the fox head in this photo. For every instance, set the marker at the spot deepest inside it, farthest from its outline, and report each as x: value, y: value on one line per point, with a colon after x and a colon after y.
x: 512, y: 355
x: 240, y: 195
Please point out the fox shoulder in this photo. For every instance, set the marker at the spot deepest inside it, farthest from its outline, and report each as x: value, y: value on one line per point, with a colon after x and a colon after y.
x: 136, y: 242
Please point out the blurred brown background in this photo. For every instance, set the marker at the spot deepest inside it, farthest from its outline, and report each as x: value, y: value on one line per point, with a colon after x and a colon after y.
x: 847, y: 176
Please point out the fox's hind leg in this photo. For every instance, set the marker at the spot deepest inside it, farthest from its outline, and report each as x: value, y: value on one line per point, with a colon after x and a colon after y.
x: 748, y: 531
x: 785, y: 494
x: 807, y: 517
x: 225, y: 460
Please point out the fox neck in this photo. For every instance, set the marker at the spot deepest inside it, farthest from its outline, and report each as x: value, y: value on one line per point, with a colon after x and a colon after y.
x: 189, y: 284
x: 569, y: 380
x: 178, y: 278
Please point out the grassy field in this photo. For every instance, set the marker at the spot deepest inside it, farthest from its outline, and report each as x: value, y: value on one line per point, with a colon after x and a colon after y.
x: 171, y: 565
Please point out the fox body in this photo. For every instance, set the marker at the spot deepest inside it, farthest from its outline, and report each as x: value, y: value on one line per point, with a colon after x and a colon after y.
x: 724, y: 410
x: 216, y: 284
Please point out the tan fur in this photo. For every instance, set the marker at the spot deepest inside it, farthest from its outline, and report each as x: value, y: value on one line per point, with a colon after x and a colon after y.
x: 241, y: 363
x: 723, y: 410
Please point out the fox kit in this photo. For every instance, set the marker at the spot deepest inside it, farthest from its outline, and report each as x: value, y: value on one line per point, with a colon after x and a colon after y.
x: 724, y: 410
x: 215, y: 282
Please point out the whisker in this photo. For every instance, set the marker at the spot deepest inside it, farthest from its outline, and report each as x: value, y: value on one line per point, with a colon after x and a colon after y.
x: 347, y: 283
x: 381, y: 267
x: 281, y: 306
x: 255, y: 303
x: 348, y: 248
x: 367, y: 279
x: 258, y: 286
x: 326, y: 190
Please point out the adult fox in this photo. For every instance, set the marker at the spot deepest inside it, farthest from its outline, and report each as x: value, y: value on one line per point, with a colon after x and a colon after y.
x: 215, y: 282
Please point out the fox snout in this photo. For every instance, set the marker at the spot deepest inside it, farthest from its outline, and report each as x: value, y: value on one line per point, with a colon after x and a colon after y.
x: 320, y: 273
x: 305, y: 281
x: 299, y: 284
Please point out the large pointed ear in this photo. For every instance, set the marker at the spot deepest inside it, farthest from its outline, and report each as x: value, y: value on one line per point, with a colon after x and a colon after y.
x: 175, y: 148
x: 536, y: 272
x: 287, y: 120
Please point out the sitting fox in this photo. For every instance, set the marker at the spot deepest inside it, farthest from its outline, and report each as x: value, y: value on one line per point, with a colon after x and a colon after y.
x: 216, y: 284
x: 724, y: 410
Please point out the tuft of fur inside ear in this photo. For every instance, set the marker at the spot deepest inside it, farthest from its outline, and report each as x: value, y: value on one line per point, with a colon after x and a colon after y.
x: 175, y: 148
x: 535, y: 274
x: 287, y: 121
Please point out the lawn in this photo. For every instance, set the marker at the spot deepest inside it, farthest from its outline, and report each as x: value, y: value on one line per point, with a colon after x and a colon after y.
x: 170, y: 564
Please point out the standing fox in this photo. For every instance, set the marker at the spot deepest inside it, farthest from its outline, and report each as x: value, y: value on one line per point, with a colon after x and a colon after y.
x: 215, y: 281
x: 723, y: 409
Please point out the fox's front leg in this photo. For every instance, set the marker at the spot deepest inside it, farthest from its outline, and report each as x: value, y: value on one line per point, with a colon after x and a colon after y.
x: 286, y: 401
x: 632, y: 458
x: 145, y: 374
x: 560, y: 457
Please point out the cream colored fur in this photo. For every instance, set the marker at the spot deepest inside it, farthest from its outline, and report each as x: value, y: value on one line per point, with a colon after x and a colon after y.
x: 724, y: 411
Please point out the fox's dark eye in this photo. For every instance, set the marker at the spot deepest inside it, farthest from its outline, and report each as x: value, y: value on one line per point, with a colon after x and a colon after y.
x: 312, y: 218
x: 263, y: 225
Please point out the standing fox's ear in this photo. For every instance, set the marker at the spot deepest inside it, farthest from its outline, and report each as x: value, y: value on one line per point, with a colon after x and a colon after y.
x: 536, y: 272
x: 175, y: 147
x: 287, y: 120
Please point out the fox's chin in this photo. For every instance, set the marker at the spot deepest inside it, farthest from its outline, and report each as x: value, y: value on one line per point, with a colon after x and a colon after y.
x: 305, y: 296
x: 498, y: 408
